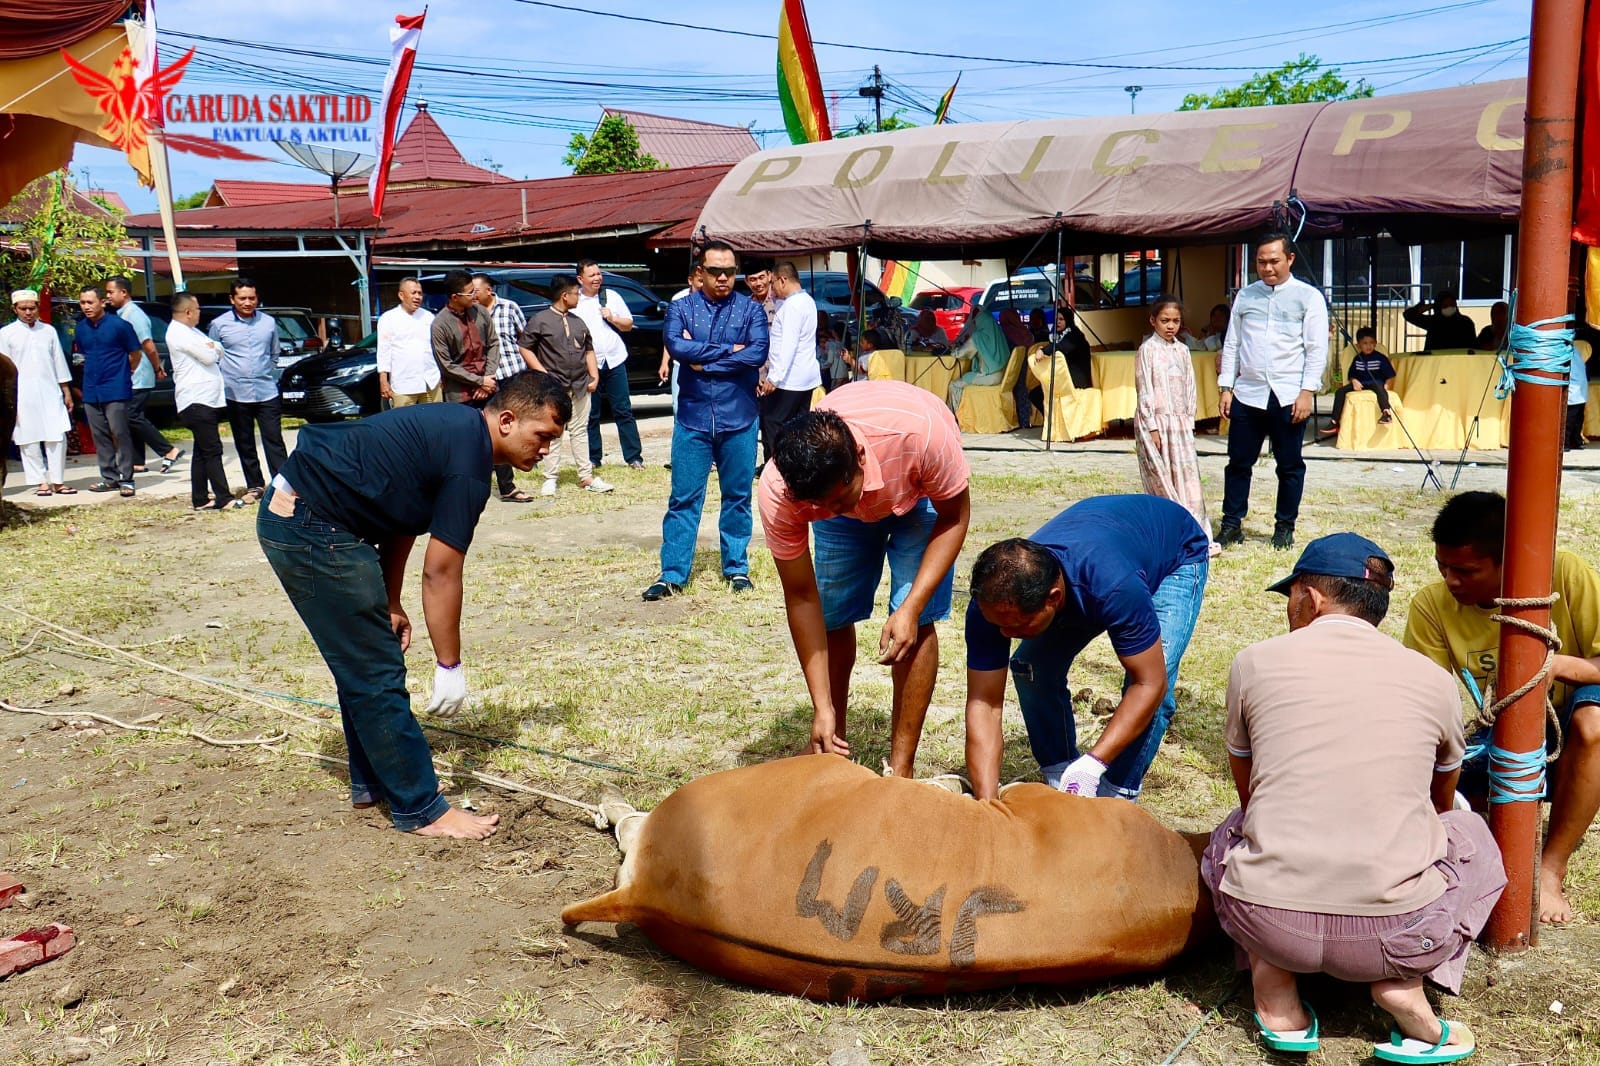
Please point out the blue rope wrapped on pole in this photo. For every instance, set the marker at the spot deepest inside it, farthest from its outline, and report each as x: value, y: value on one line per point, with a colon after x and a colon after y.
x: 1535, y: 350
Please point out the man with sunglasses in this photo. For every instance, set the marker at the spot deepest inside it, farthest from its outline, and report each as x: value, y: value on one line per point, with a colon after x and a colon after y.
x: 466, y: 344
x: 718, y: 338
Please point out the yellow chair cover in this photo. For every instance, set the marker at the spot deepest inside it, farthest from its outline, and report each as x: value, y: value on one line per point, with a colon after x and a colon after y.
x: 1359, y: 428
x: 886, y: 364
x: 991, y: 408
x: 1074, y: 413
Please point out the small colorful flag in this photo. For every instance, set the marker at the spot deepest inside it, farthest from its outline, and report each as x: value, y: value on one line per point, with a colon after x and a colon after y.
x: 943, y: 109
x: 403, y: 38
x: 805, y: 112
x: 899, y: 278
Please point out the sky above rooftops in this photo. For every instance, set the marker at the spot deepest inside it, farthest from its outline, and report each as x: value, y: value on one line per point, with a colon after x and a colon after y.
x: 510, y: 80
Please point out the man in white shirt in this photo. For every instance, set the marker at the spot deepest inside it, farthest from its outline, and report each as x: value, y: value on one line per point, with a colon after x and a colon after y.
x: 608, y: 318
x: 792, y: 372
x: 44, y: 395
x: 200, y: 394
x: 1272, y: 363
x: 407, y: 371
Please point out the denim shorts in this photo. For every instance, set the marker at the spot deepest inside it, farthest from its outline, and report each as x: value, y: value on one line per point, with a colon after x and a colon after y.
x: 850, y: 553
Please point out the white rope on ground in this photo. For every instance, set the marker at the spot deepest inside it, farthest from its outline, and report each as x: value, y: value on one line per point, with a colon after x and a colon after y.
x: 1552, y: 644
x: 145, y: 727
x: 491, y: 780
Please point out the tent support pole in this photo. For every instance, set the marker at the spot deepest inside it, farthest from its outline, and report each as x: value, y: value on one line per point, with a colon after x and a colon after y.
x: 1050, y: 408
x: 861, y: 283
x: 1533, y: 468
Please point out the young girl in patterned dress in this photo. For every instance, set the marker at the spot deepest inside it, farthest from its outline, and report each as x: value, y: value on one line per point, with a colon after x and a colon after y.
x: 1163, y: 424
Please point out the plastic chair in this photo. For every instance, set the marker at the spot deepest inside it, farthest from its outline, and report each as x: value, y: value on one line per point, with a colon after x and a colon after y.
x: 886, y: 364
x: 991, y: 408
x: 1360, y: 430
x: 1074, y: 413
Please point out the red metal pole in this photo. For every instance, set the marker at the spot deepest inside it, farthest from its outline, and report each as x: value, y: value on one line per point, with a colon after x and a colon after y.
x: 1538, y: 412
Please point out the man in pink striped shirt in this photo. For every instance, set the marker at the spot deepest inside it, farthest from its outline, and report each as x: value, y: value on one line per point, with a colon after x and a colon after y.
x: 877, y: 469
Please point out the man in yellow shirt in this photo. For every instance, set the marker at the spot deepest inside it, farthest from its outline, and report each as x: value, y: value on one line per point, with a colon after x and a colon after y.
x: 1449, y: 623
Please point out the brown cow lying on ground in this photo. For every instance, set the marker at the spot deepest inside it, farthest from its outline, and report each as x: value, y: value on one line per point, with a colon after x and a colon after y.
x: 817, y: 877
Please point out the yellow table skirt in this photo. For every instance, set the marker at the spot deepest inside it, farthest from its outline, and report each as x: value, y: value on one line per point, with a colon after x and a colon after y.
x: 933, y: 372
x: 1113, y: 376
x: 1442, y: 393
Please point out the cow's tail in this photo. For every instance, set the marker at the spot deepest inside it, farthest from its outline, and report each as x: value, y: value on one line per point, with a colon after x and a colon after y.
x: 616, y: 906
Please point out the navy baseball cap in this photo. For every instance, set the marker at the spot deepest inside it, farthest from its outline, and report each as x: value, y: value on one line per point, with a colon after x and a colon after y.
x: 1336, y: 555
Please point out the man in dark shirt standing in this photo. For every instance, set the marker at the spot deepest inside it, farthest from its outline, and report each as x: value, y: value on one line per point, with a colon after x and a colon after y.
x: 110, y: 348
x: 338, y: 524
x: 1446, y: 327
x: 557, y: 341
x: 1131, y: 567
x: 466, y: 344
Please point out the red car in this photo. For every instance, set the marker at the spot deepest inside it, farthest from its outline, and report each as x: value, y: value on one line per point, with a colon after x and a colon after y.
x: 950, y: 307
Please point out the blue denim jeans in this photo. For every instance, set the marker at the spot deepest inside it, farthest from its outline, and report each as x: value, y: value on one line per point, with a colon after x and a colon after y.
x: 336, y: 585
x: 1039, y: 669
x: 693, y: 452
x: 850, y: 554
x: 613, y: 393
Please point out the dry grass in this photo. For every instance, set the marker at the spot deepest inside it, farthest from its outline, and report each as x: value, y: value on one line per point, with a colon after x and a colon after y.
x: 563, y: 656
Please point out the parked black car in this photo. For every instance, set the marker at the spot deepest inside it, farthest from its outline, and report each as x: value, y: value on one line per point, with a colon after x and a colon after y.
x: 333, y: 384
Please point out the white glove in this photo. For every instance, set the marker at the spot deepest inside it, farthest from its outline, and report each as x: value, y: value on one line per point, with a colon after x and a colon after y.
x: 1082, y: 778
x: 449, y: 690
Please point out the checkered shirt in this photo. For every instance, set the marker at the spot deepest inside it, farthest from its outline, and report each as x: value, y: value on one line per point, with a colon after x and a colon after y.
x: 508, y: 323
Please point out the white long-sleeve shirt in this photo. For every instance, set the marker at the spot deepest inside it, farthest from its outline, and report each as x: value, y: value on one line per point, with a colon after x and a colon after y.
x: 1277, y: 343
x: 196, y: 368
x: 405, y: 350
x: 792, y: 354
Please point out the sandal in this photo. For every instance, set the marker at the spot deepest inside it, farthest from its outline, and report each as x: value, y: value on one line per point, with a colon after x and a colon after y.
x: 102, y: 486
x: 125, y: 493
x: 44, y: 490
x: 168, y: 464
x: 65, y: 490
x: 516, y: 497
x: 1401, y: 1048
x: 1300, y: 1041
x: 252, y: 496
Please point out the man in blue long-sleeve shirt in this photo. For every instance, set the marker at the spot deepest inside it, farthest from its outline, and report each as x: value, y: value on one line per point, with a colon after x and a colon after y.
x: 718, y: 339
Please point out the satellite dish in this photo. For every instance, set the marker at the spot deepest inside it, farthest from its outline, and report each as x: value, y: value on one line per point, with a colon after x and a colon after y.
x: 336, y: 163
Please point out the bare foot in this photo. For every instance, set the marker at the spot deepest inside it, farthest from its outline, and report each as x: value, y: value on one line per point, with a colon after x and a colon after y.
x: 1553, y: 906
x: 460, y: 825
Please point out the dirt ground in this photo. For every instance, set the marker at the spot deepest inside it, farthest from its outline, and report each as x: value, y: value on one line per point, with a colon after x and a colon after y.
x: 231, y: 908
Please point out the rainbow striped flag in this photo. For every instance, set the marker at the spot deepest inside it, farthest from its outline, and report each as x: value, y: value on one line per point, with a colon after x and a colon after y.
x: 944, y: 103
x: 900, y: 279
x: 805, y: 112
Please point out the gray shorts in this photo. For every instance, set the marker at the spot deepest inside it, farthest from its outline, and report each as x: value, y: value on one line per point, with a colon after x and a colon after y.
x: 1431, y: 942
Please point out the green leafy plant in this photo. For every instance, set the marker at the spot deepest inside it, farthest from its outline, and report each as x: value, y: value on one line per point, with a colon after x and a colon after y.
x: 68, y: 247
x: 613, y: 148
x: 1299, y: 81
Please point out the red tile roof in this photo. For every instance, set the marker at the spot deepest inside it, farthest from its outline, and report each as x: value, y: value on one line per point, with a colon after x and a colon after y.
x: 682, y: 142
x: 661, y: 204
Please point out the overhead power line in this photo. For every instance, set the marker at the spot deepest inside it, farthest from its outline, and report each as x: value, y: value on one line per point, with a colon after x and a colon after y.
x: 880, y: 49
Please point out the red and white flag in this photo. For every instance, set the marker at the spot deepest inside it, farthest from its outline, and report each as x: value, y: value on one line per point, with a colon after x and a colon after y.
x: 403, y: 37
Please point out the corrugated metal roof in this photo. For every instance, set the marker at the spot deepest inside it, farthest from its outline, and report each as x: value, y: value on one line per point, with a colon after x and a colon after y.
x: 227, y: 192
x: 661, y: 203
x: 682, y: 142
x: 425, y: 152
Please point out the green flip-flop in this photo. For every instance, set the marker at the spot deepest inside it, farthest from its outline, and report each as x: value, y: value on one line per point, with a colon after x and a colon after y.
x: 1299, y: 1041
x: 1406, y: 1049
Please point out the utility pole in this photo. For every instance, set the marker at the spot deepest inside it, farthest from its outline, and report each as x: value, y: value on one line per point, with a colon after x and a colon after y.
x: 1133, y: 92
x: 874, y: 91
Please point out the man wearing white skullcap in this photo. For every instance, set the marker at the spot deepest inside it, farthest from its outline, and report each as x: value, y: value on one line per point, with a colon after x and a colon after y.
x: 44, y: 395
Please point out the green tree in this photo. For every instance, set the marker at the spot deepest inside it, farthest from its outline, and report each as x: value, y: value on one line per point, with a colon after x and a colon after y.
x: 1299, y: 81
x: 864, y: 125
x: 69, y: 248
x: 194, y: 199
x: 613, y: 148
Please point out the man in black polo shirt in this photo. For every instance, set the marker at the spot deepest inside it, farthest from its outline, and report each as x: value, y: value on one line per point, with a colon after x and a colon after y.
x: 337, y: 525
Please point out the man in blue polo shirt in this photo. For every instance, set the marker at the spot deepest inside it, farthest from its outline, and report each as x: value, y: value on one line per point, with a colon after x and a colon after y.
x: 338, y: 524
x: 718, y: 340
x: 1132, y: 567
x: 110, y: 348
x: 249, y: 340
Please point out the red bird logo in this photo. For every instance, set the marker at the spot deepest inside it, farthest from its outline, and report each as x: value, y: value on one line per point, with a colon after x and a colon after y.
x: 131, y: 104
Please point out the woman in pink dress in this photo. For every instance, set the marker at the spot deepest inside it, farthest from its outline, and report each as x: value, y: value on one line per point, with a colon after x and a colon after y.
x: 1163, y: 423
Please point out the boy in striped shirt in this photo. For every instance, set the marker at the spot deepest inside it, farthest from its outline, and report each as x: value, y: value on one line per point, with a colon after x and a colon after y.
x: 1370, y: 369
